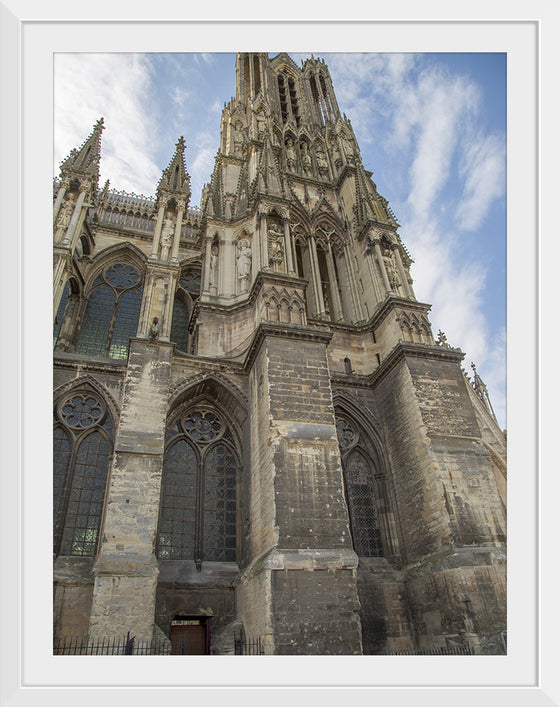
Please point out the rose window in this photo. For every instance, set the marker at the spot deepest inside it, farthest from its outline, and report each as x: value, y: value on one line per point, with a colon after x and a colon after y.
x: 202, y: 425
x: 81, y: 411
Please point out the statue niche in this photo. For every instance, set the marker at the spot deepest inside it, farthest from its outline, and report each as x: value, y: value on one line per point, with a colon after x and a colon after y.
x: 275, y: 247
x: 244, y: 259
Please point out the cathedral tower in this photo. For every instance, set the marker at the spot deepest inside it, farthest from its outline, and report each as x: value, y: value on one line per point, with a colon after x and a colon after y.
x: 293, y: 456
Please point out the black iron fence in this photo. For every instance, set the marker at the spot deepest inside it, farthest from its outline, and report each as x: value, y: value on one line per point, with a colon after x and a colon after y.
x: 442, y: 650
x: 128, y: 645
x: 244, y: 646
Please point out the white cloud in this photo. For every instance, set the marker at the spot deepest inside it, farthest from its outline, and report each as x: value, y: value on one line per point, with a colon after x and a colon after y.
x: 117, y: 87
x: 483, y: 170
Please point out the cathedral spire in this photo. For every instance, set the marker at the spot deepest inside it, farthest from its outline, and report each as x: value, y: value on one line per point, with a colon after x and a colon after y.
x: 174, y: 179
x: 84, y: 160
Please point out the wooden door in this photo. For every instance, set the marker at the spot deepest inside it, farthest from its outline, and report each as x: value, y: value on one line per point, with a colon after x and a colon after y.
x: 188, y: 637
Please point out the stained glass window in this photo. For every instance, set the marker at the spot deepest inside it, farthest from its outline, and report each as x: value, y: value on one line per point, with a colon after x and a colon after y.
x: 199, y: 490
x: 364, y: 520
x: 180, y: 324
x: 83, y: 444
x: 187, y: 293
x: 360, y: 490
x: 190, y: 282
x: 112, y: 313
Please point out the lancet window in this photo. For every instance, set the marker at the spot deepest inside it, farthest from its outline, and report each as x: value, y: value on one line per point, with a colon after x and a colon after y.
x: 288, y: 97
x: 83, y: 445
x: 198, y: 510
x: 360, y: 486
x: 188, y: 291
x: 112, y: 312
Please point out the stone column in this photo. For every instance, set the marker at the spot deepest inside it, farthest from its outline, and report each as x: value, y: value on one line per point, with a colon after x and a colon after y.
x: 59, y: 197
x: 373, y: 274
x: 228, y: 266
x: 333, y: 281
x: 67, y: 240
x: 256, y: 248
x: 206, y: 284
x: 353, y: 285
x: 177, y: 234
x: 402, y: 273
x: 126, y: 569
x: 157, y: 231
x: 288, y: 247
x: 264, y: 242
x: 316, y: 275
x: 382, y: 266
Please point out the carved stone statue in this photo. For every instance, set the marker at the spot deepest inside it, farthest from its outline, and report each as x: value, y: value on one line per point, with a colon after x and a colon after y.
x: 244, y: 258
x: 391, y: 272
x: 154, y: 330
x: 275, y: 246
x: 291, y: 155
x: 261, y: 124
x: 336, y: 151
x: 238, y: 139
x: 305, y: 158
x: 322, y: 164
x: 166, y: 238
x: 214, y: 251
x: 348, y: 147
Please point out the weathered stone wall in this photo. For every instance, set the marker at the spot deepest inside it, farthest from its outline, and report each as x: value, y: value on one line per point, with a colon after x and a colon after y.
x: 296, y: 490
x: 476, y: 513
x: 73, y: 591
x: 451, y: 516
x: 254, y: 605
x: 384, y: 609
x: 458, y: 599
x: 316, y: 612
x: 360, y: 348
x: 126, y: 569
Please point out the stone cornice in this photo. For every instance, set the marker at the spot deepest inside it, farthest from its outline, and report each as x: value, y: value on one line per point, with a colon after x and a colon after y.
x: 405, y: 350
x: 237, y: 304
x: 284, y: 331
x: 383, y: 308
x: 392, y: 301
x: 62, y: 359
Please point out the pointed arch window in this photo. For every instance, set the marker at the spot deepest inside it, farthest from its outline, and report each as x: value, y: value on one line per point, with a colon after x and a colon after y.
x: 112, y: 312
x: 188, y: 291
x: 83, y: 445
x: 198, y: 507
x: 359, y: 481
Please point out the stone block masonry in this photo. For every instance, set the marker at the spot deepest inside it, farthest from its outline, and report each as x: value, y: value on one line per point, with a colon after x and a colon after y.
x: 308, y: 565
x: 126, y: 569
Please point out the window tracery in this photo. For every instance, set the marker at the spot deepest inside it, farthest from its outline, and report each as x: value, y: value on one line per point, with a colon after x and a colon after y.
x: 83, y: 445
x: 112, y: 312
x: 199, y: 490
x: 188, y: 291
x: 359, y: 480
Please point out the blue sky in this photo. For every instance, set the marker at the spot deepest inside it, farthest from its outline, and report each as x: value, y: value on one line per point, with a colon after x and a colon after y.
x: 431, y: 128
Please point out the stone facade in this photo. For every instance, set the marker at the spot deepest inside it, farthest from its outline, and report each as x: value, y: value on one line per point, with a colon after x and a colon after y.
x: 256, y: 434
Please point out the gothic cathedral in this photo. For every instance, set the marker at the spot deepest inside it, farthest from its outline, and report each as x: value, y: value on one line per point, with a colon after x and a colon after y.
x: 256, y: 436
